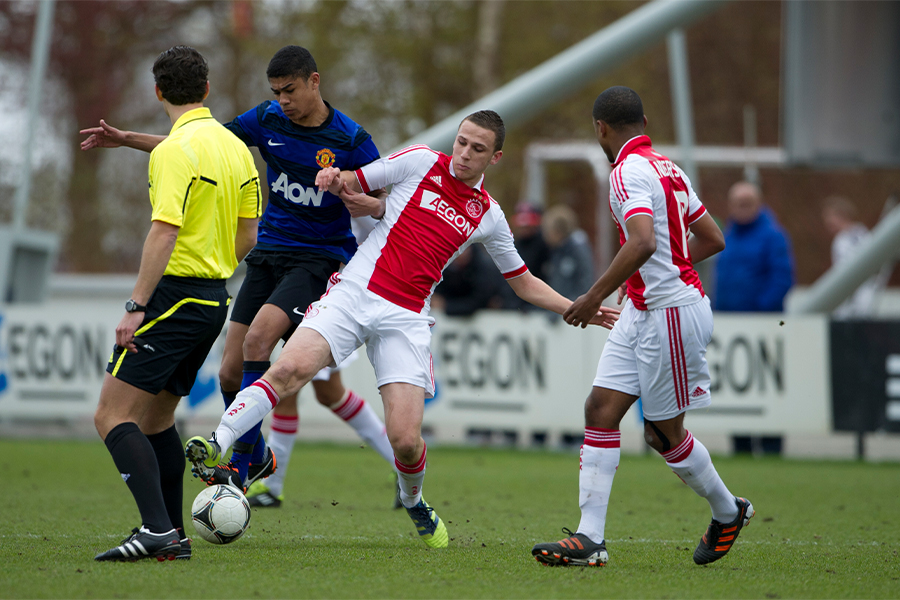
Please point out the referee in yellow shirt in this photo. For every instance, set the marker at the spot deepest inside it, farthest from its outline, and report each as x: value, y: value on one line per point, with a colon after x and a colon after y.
x: 204, y: 190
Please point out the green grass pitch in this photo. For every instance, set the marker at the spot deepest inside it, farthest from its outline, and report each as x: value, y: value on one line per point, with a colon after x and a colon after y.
x: 822, y: 530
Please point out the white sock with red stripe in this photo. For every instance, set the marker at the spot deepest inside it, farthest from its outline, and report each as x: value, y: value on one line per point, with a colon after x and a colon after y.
x: 599, y: 461
x: 691, y: 462
x: 357, y: 413
x: 410, y: 479
x: 281, y: 441
x: 249, y: 407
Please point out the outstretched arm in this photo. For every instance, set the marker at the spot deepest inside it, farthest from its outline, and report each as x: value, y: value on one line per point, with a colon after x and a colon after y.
x: 107, y: 136
x: 639, y: 247
x: 535, y: 291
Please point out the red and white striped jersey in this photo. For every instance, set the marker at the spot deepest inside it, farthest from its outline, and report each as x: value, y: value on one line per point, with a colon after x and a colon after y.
x: 430, y: 218
x: 644, y: 182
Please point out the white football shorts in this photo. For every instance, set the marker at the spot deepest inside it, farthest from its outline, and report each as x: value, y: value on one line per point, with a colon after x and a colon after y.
x: 660, y: 355
x: 398, y: 341
x: 324, y: 373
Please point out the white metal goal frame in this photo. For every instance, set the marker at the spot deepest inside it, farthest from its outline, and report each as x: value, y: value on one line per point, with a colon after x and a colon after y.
x: 538, y: 154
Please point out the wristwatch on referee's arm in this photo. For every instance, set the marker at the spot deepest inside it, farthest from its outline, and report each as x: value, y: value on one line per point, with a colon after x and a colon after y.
x: 131, y: 306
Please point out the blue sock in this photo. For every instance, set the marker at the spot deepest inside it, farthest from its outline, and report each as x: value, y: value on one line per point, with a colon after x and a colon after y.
x: 228, y: 397
x: 250, y: 447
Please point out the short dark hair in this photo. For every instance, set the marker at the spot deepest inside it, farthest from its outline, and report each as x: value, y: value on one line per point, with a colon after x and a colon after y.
x: 619, y: 106
x: 181, y: 74
x: 291, y: 61
x: 490, y: 120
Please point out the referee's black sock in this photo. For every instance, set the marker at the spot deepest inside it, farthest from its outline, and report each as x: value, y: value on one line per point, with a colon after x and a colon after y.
x: 170, y: 458
x: 134, y: 457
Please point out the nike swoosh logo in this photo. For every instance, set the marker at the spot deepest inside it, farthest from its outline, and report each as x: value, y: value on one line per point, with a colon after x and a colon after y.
x: 271, y: 143
x: 298, y: 311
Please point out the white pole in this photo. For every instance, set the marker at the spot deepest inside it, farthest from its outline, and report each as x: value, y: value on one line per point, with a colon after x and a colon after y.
x: 569, y: 71
x: 40, y: 53
x: 680, y: 84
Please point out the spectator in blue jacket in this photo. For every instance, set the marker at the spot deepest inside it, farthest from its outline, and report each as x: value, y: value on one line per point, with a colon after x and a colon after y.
x: 756, y: 269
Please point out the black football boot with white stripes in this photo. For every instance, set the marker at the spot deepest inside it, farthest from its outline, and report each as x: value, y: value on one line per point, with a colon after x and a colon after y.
x: 145, y: 544
x: 185, y: 552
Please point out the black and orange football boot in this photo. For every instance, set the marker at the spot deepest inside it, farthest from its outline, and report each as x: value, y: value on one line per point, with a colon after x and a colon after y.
x: 223, y: 474
x: 719, y: 537
x: 259, y: 471
x: 577, y: 550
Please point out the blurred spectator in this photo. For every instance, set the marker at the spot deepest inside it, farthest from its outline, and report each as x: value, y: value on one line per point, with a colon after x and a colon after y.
x: 756, y: 269
x: 571, y: 268
x: 526, y: 227
x: 839, y: 215
x: 471, y: 283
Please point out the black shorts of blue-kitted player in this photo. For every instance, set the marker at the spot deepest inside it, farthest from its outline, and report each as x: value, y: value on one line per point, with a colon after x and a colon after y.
x: 289, y: 280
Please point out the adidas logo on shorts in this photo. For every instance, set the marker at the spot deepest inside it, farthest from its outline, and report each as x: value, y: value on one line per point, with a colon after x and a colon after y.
x: 698, y: 392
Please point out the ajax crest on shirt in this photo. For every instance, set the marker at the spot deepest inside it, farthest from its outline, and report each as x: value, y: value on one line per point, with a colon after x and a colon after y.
x: 474, y: 207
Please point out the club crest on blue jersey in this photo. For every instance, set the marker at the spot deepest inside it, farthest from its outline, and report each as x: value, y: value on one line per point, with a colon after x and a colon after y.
x: 299, y: 216
x: 324, y: 158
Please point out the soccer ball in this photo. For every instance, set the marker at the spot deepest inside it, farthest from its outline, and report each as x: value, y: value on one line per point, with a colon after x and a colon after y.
x: 221, y: 514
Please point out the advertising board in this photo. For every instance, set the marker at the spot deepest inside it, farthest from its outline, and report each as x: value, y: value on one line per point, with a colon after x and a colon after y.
x: 523, y: 375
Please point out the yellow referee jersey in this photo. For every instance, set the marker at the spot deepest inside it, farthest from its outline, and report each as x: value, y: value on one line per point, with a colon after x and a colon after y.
x: 202, y: 178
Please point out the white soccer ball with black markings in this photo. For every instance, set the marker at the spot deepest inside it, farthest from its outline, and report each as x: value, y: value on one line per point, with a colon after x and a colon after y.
x: 221, y: 514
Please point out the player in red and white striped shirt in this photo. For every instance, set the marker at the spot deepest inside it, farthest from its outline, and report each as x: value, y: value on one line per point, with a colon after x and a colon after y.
x: 657, y: 349
x: 437, y: 207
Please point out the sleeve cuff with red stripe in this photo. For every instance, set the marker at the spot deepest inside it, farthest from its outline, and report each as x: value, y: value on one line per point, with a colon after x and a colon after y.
x: 640, y: 210
x: 516, y: 273
x: 693, y: 218
x: 361, y: 178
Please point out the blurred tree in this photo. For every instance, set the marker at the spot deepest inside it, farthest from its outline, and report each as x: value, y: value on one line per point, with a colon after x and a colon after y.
x: 399, y: 67
x: 486, y: 66
x: 93, y: 50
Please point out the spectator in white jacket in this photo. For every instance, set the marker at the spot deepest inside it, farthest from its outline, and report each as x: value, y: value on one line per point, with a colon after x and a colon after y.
x: 840, y: 218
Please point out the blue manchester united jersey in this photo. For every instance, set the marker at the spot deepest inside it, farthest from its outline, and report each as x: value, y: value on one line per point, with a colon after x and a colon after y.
x: 299, y: 216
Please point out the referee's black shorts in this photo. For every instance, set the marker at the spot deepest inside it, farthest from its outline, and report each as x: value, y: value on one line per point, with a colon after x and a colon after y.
x: 289, y: 280
x: 183, y: 319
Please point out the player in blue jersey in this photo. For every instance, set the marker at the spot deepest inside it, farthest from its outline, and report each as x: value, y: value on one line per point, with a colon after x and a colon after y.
x: 304, y: 237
